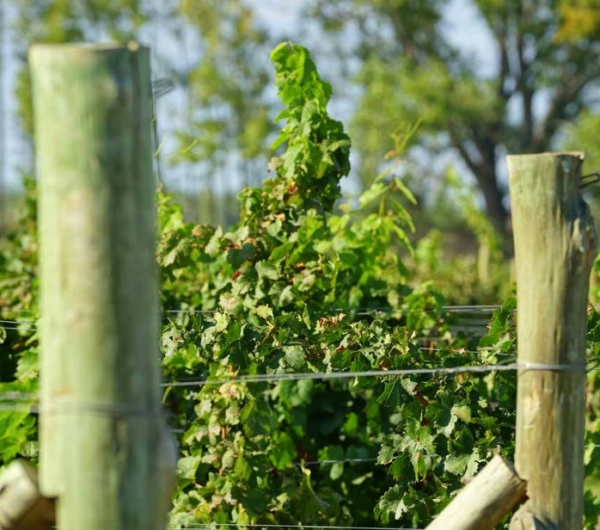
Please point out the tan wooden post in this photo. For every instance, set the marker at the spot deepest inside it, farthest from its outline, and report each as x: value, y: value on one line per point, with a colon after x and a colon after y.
x: 22, y: 507
x: 482, y: 503
x: 555, y: 246
x: 104, y: 447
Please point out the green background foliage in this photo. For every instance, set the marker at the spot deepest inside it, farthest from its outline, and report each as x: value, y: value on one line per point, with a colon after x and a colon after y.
x: 394, y: 59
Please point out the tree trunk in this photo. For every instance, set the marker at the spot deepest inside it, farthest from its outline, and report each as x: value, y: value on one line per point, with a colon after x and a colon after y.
x: 488, y: 182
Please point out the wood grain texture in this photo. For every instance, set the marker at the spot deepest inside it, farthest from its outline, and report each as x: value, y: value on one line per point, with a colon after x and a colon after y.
x: 555, y: 246
x: 22, y: 507
x: 103, y: 437
x: 525, y: 519
x: 482, y: 503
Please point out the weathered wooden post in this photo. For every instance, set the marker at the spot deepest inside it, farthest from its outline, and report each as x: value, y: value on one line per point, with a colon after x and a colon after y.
x: 482, y: 503
x: 555, y: 246
x: 105, y: 452
x: 22, y: 507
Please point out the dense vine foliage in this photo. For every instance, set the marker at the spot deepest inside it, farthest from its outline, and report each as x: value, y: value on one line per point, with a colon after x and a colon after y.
x: 298, y: 286
x: 18, y: 342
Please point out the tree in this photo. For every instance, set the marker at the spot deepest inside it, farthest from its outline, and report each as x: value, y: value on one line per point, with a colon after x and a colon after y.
x: 543, y: 78
x: 546, y: 65
x: 230, y: 113
x: 65, y: 21
x: 224, y: 74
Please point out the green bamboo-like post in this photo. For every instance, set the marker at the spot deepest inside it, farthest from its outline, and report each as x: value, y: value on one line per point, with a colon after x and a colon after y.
x: 105, y: 452
x: 555, y: 246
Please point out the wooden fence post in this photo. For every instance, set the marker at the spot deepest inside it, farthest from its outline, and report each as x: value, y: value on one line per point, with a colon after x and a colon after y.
x: 484, y: 501
x: 22, y: 507
x: 104, y: 444
x: 555, y: 246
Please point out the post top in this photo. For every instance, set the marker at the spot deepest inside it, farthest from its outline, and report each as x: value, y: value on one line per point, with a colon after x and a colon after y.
x: 577, y: 154
x: 531, y: 161
x: 86, y: 47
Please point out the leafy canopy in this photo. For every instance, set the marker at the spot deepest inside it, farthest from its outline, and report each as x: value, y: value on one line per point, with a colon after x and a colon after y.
x: 539, y: 73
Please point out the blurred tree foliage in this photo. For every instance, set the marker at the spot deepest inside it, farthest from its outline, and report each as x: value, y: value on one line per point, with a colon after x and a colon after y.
x: 546, y: 66
x: 228, y: 84
x: 547, y: 57
x: 228, y: 116
x: 580, y: 18
x: 62, y: 21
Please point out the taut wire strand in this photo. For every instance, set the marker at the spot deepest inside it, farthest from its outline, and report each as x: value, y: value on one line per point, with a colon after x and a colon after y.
x: 262, y: 378
x: 183, y: 526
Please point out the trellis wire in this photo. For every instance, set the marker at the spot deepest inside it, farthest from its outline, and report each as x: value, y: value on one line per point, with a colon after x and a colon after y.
x: 448, y: 308
x: 262, y: 378
x: 183, y: 526
x: 27, y: 324
x: 360, y: 311
x: 16, y: 396
x: 259, y: 378
x: 18, y: 324
x: 342, y: 461
x: 369, y: 310
x: 374, y: 459
x: 215, y: 525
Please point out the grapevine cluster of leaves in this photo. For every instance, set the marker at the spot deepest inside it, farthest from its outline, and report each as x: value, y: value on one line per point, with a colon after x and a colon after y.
x: 288, y: 287
x: 297, y: 286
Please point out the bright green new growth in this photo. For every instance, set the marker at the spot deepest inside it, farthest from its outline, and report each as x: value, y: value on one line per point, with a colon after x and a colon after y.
x: 285, y: 253
x: 317, y: 155
x: 308, y: 173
